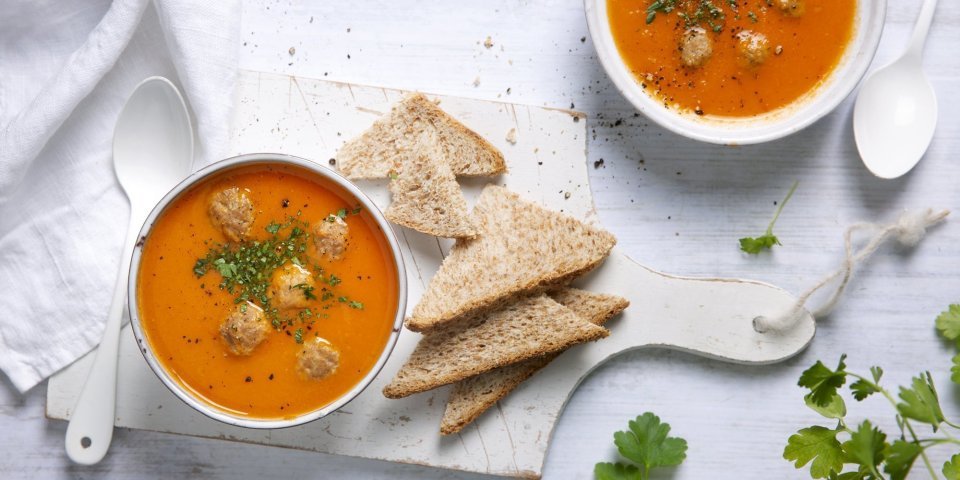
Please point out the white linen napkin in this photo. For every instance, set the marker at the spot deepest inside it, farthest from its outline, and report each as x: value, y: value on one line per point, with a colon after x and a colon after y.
x: 66, y: 69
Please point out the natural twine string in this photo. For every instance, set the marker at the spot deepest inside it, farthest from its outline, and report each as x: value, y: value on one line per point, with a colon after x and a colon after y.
x: 909, y: 229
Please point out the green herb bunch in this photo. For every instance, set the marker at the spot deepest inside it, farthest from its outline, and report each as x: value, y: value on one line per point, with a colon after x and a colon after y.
x: 647, y: 445
x: 864, y: 451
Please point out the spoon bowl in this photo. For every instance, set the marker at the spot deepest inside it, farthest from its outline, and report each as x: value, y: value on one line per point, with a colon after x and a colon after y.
x: 153, y: 141
x: 896, y: 111
x: 152, y: 152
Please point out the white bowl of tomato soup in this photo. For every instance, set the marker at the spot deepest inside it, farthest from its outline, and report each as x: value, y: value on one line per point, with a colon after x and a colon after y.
x: 735, y: 72
x: 266, y: 291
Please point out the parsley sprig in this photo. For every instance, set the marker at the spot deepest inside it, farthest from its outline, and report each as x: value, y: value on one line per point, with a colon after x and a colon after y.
x: 863, y: 451
x: 754, y: 245
x: 647, y: 445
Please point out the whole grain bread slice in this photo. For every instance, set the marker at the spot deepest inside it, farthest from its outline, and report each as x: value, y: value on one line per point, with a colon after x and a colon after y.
x: 524, y: 248
x: 528, y: 328
x: 380, y: 149
x: 426, y: 195
x: 473, y: 396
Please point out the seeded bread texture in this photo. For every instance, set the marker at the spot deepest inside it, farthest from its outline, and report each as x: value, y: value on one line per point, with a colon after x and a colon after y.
x: 473, y: 396
x: 528, y: 328
x: 380, y: 149
x: 524, y: 248
x: 426, y: 195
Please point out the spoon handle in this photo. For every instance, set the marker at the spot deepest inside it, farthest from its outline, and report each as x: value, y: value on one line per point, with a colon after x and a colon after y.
x: 921, y: 29
x: 91, y: 424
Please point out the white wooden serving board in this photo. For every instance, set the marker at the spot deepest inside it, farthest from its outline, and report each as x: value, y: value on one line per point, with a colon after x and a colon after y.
x: 312, y: 118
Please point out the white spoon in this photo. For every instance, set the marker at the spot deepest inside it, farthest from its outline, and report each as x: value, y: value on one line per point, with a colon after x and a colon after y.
x: 152, y: 152
x: 896, y: 111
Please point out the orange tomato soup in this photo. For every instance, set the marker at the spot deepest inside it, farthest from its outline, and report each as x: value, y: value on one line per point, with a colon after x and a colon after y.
x: 181, y: 311
x: 800, y: 45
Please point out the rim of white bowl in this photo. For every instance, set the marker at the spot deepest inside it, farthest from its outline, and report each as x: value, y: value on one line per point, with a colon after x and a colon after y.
x: 843, y: 80
x: 252, y: 159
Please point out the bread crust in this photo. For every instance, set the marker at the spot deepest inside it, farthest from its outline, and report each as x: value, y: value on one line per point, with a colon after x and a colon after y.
x: 528, y: 328
x: 473, y: 396
x: 379, y: 150
x: 524, y: 249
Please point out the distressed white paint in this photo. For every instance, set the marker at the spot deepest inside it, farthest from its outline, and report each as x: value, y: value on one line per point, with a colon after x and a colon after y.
x: 311, y: 118
x: 736, y: 418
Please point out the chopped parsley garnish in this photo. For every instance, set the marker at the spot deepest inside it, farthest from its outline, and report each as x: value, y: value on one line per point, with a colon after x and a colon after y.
x: 246, y: 269
x: 695, y: 13
x: 307, y: 290
x: 663, y: 6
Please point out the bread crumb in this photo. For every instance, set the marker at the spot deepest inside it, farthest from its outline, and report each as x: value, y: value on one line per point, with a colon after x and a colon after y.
x: 476, y: 82
x: 488, y: 42
x: 292, y: 51
x: 512, y: 136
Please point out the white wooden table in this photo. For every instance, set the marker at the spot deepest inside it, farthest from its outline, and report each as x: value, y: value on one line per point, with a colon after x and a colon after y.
x: 675, y: 205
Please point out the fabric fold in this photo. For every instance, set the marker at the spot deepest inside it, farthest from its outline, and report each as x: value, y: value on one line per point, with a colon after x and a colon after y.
x: 66, y: 70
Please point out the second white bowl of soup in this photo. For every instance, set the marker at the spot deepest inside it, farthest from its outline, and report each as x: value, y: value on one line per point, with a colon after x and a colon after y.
x: 737, y: 71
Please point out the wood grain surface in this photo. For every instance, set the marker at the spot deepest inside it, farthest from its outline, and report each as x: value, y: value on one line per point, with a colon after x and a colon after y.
x: 674, y: 204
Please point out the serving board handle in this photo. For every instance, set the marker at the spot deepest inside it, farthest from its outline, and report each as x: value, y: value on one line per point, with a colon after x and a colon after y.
x: 712, y: 317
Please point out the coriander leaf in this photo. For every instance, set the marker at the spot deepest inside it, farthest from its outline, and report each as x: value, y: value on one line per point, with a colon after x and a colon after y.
x: 616, y: 471
x: 355, y: 305
x: 951, y: 468
x: 823, y: 382
x: 948, y: 322
x: 298, y: 335
x: 273, y: 228
x: 227, y: 270
x: 863, y: 389
x: 877, y: 373
x: 857, y: 475
x: 955, y: 369
x: 900, y: 456
x: 756, y: 245
x: 835, y: 409
x: 647, y: 444
x: 766, y: 241
x: 865, y: 447
x: 819, y: 445
x: 920, y: 402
